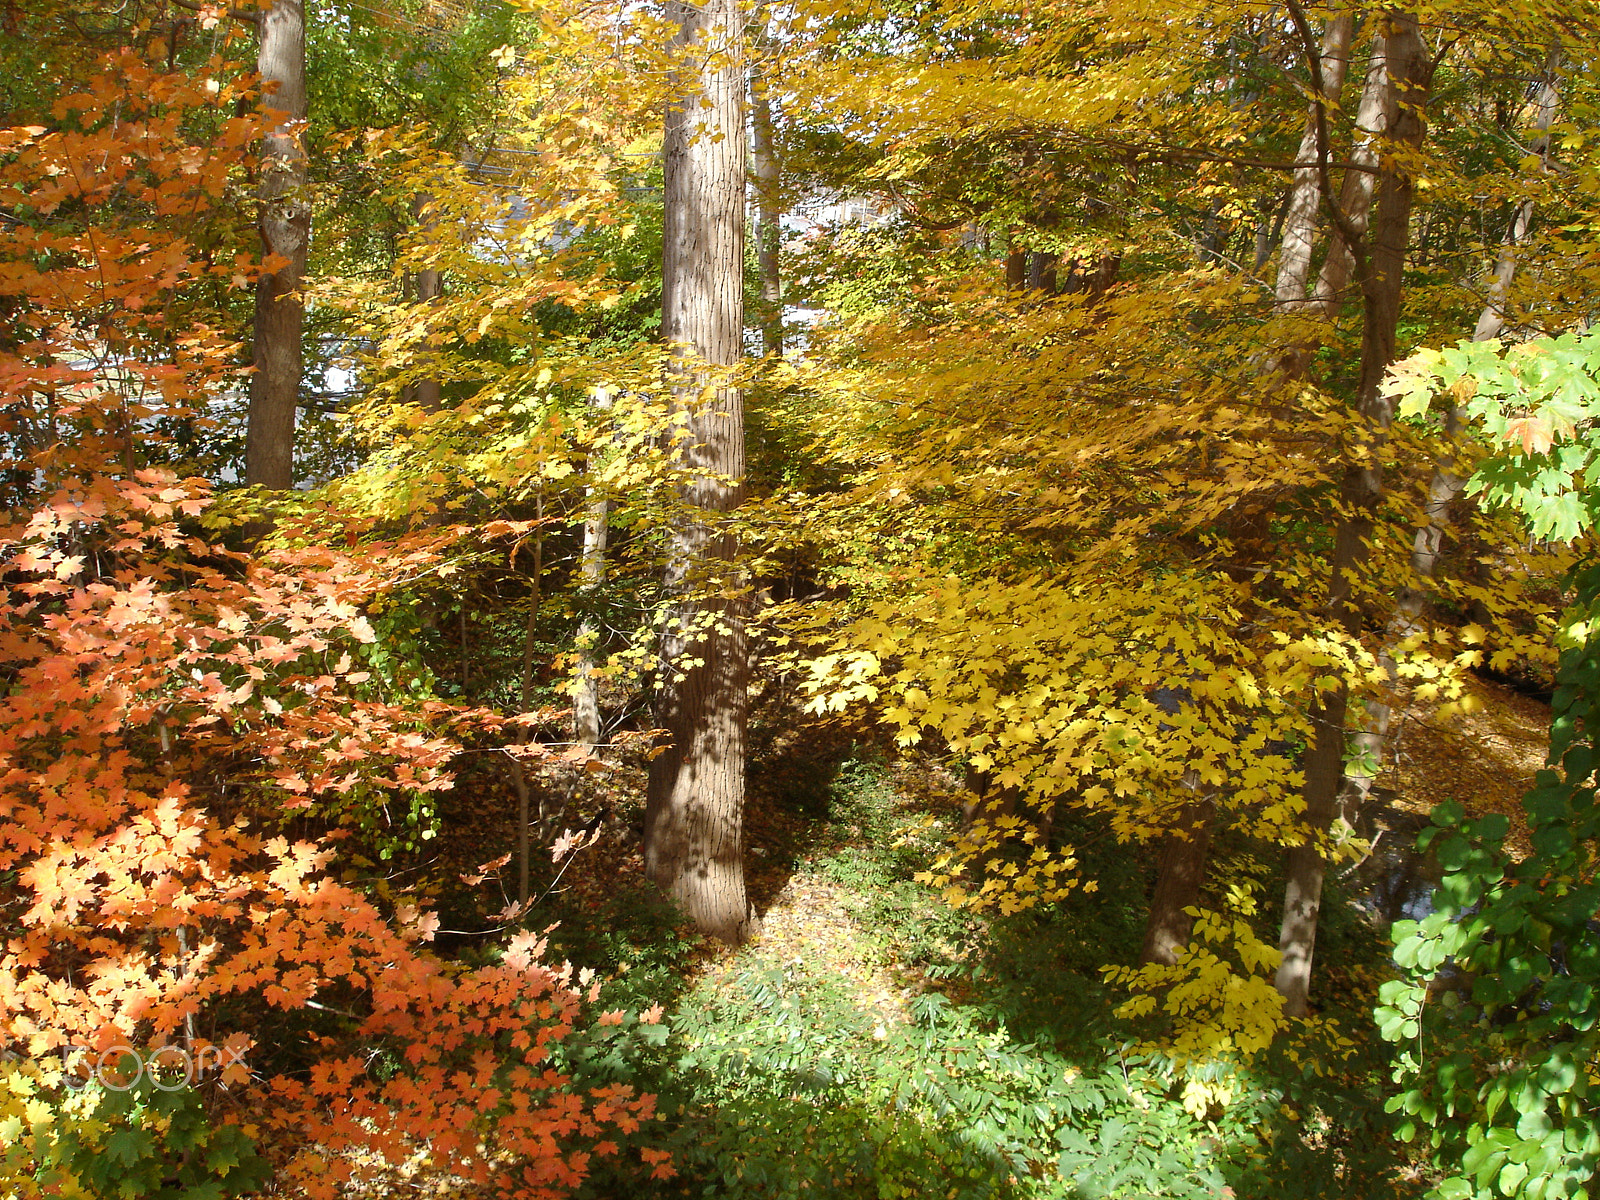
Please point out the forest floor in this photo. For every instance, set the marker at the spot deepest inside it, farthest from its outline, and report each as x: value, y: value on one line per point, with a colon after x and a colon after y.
x: 864, y: 982
x: 1484, y: 759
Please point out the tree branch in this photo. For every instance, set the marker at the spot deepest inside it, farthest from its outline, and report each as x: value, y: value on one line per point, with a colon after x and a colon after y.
x: 238, y: 14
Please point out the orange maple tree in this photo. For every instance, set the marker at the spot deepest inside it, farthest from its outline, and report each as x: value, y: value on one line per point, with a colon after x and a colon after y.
x: 172, y: 712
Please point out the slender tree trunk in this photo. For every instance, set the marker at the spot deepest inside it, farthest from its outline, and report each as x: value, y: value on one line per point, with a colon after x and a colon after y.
x: 1267, y: 237
x: 1374, y: 115
x: 1305, y: 190
x: 519, y: 773
x: 429, y: 286
x: 285, y: 238
x: 694, y: 814
x: 1409, y: 80
x: 586, y: 723
x: 768, y: 177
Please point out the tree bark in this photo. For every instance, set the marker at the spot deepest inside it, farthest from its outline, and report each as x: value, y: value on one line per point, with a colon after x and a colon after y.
x: 427, y: 393
x: 694, y: 814
x: 1374, y: 115
x: 586, y: 723
x: 285, y: 221
x: 1409, y: 73
x: 1179, y: 875
x: 1016, y: 265
x: 1091, y: 277
x: 1305, y: 190
x: 1042, y: 271
x: 768, y: 176
x: 519, y: 773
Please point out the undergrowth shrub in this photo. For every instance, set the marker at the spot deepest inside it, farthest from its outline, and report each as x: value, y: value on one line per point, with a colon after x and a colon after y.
x: 80, y: 1140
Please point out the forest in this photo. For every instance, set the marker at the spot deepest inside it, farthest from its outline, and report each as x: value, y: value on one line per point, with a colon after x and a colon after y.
x: 799, y: 598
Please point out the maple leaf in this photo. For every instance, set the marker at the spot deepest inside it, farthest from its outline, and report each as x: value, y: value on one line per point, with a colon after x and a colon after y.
x: 1533, y: 432
x: 569, y: 841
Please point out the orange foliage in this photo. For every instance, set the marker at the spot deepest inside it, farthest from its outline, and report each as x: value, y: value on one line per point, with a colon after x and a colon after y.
x: 166, y: 704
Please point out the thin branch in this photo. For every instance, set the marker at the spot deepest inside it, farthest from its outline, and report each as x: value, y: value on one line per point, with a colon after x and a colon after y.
x: 238, y: 14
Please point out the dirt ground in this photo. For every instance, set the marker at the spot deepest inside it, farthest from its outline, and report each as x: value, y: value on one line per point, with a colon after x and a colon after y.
x: 1484, y: 759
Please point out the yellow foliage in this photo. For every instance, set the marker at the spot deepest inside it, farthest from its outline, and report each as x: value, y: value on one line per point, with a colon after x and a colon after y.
x: 1085, y: 553
x: 1218, y: 1009
x: 36, y: 1111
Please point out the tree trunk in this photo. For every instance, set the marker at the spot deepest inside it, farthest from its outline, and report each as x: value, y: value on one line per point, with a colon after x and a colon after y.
x: 285, y: 238
x: 1042, y: 272
x: 1181, y: 871
x: 1305, y: 191
x: 519, y: 773
x: 694, y: 815
x: 1016, y: 265
x: 1374, y: 115
x: 1409, y: 74
x: 1091, y: 277
x: 427, y: 393
x: 591, y: 574
x: 768, y: 214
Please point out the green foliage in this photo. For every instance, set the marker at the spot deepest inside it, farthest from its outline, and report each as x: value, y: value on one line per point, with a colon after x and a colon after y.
x: 1497, y: 1071
x: 1538, y: 403
x: 813, y: 1094
x: 147, y: 1142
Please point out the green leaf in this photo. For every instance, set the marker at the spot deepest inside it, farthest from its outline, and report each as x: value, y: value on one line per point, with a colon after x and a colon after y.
x: 1511, y: 1177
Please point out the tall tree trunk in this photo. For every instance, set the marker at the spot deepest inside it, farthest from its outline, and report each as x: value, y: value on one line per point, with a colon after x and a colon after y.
x: 1305, y: 190
x: 768, y: 177
x: 694, y: 814
x: 1409, y: 80
x: 586, y: 723
x: 285, y: 238
x: 519, y: 773
x: 1374, y: 115
x: 427, y: 393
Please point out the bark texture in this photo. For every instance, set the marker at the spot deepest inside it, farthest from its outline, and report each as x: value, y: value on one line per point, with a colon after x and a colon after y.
x: 694, y: 814
x: 1374, y: 115
x: 1042, y: 271
x: 1016, y: 265
x: 1179, y: 875
x: 1379, y: 262
x: 1300, y: 217
x: 285, y: 222
x: 586, y: 722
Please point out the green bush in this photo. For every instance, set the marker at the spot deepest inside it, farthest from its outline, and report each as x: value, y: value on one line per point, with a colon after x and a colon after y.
x: 97, y: 1143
